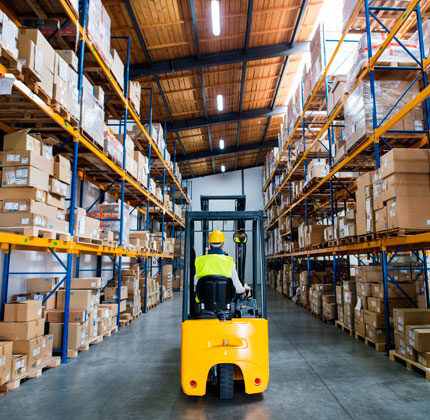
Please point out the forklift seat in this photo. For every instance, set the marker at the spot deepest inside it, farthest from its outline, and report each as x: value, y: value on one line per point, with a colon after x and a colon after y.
x: 216, y: 293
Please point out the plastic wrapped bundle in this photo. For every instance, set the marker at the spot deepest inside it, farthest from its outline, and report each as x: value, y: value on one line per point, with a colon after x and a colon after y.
x: 111, y: 223
x: 99, y: 28
x: 359, y: 107
x: 8, y: 35
x: 393, y: 54
x: 92, y: 117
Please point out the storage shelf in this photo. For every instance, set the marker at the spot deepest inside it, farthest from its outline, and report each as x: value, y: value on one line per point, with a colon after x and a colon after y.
x: 30, y: 243
x: 41, y: 105
x: 100, y: 61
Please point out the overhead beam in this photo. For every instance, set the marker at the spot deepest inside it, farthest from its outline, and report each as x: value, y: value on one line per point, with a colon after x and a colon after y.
x: 227, y: 151
x: 225, y: 172
x: 138, y: 71
x: 226, y: 118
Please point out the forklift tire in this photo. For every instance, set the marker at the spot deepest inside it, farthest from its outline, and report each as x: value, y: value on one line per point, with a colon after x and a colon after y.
x: 226, y: 382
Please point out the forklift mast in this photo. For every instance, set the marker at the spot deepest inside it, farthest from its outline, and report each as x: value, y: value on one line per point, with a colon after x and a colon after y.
x: 239, y: 227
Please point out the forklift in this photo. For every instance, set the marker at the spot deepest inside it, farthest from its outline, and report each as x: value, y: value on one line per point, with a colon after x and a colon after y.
x: 224, y: 335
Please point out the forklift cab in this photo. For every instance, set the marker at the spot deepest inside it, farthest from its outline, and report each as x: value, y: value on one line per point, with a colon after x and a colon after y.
x: 224, y: 335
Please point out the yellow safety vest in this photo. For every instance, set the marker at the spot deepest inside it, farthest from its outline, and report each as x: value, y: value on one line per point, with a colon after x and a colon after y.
x: 214, y: 264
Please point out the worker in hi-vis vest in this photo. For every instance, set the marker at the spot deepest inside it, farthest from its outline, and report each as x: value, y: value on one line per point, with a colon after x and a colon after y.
x: 216, y: 262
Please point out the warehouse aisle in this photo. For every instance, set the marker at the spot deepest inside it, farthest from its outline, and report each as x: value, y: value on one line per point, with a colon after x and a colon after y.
x: 316, y: 372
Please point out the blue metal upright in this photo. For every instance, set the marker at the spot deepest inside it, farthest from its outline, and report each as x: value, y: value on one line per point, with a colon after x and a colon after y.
x: 145, y: 295
x: 73, y: 191
x: 5, y: 280
x: 121, y: 228
x: 162, y: 217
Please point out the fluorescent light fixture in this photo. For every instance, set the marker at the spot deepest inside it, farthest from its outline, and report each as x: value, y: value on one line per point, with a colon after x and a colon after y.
x: 219, y: 102
x: 222, y: 168
x: 221, y: 144
x: 216, y: 22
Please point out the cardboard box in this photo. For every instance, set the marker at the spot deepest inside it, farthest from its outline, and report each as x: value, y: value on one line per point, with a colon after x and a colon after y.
x: 381, y: 221
x: 42, y: 284
x: 359, y: 315
x: 32, y: 348
x: 394, y: 291
x: 18, y: 366
x: 27, y: 310
x: 58, y: 202
x: 400, y: 343
x: 21, y: 140
x: 25, y: 176
x: 20, y: 193
x: 360, y: 328
x: 57, y: 187
x: 5, y: 361
x: 369, y: 273
x: 88, y: 283
x: 424, y: 358
x: 376, y: 335
x: 418, y: 337
x: 410, y: 316
x: 47, y: 346
x: 364, y: 289
x: 377, y: 304
x: 406, y: 161
x: 401, y: 184
x: 22, y: 330
x: 373, y: 319
x: 62, y: 173
x: 77, y: 336
x: 79, y: 299
x: 49, y: 303
x: 23, y: 206
x: 409, y: 212
x: 111, y: 293
x: 26, y: 158
x: 75, y: 315
x: 22, y: 220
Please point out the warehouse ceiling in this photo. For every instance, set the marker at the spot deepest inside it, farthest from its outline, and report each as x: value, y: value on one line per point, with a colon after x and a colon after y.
x: 252, y: 63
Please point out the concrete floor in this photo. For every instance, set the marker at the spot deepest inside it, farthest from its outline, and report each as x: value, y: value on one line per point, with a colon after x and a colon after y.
x: 317, y: 372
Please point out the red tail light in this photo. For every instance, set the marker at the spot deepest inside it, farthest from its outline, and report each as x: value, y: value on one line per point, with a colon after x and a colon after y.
x: 193, y: 384
x: 257, y: 381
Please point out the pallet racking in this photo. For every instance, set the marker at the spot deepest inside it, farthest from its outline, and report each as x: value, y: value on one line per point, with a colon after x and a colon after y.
x: 329, y: 190
x: 108, y: 176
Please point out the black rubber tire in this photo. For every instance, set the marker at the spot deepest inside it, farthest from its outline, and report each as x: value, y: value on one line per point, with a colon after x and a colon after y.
x: 226, y: 382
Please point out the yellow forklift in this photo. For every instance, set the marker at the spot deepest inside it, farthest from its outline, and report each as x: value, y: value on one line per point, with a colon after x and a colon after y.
x: 224, y: 335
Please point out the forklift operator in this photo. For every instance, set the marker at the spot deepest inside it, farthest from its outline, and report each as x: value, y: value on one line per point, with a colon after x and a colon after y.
x: 216, y: 262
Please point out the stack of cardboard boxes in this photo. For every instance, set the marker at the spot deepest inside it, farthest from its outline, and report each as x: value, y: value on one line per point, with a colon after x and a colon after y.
x: 318, y: 293
x: 33, y: 187
x: 412, y: 334
x: 370, y: 308
x: 83, y: 317
x: 111, y: 297
x: 153, y: 291
x: 130, y: 279
x: 24, y: 326
x: 167, y: 289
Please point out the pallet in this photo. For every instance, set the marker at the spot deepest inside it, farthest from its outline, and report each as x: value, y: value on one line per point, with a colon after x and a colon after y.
x: 12, y: 64
x: 377, y: 346
x: 369, y: 237
x: 92, y: 141
x: 348, y: 241
x: 410, y: 365
x: 109, y: 244
x: 35, y: 373
x: 87, y: 240
x: 63, y: 112
x: 38, y: 232
x: 327, y: 320
x: 72, y: 353
x: 344, y: 328
x: 333, y: 243
x: 394, y: 233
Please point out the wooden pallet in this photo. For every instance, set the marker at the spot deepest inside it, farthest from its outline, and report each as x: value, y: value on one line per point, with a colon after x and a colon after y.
x: 377, y: 346
x: 72, y: 353
x: 87, y: 240
x: 97, y: 145
x: 109, y: 244
x: 35, y: 373
x: 12, y: 64
x: 394, y: 233
x: 344, y: 328
x: 38, y: 232
x: 348, y: 241
x: 67, y: 116
x: 410, y: 365
x: 369, y: 237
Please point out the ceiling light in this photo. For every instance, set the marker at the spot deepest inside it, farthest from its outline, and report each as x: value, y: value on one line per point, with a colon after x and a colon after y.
x: 221, y: 144
x: 216, y: 22
x: 222, y: 168
x: 219, y: 102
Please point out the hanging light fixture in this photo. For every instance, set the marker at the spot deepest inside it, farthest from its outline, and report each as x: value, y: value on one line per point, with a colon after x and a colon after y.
x: 216, y: 22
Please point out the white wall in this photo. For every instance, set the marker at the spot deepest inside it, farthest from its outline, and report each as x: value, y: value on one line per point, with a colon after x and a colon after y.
x: 229, y: 184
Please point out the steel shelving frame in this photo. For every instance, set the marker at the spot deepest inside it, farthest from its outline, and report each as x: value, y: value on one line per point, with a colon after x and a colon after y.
x: 384, y: 250
x: 11, y: 242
